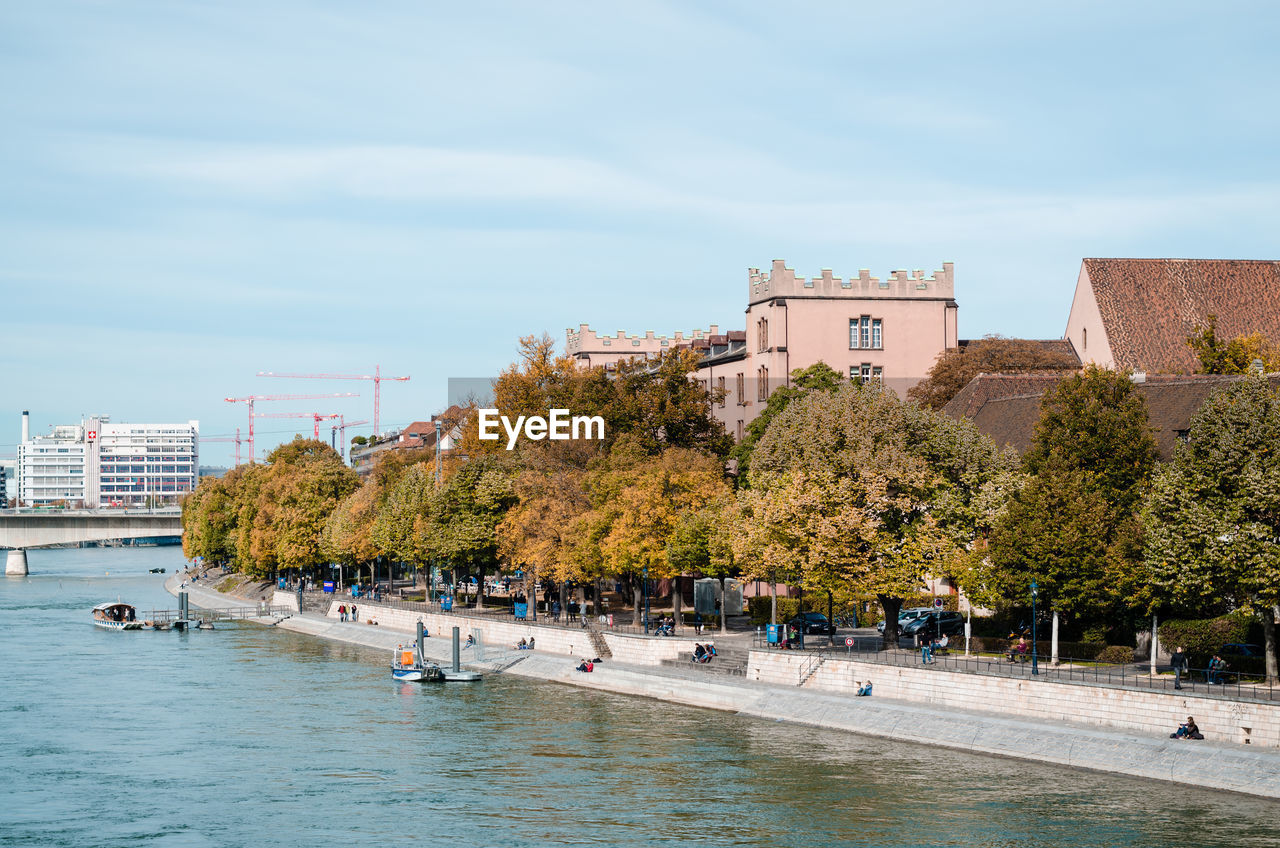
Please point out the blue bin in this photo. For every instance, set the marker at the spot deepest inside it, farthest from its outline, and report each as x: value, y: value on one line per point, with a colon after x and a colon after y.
x: 521, y: 611
x: 774, y: 633
x: 446, y: 604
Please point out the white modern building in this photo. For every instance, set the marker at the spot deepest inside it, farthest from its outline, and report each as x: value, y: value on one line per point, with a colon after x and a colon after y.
x: 97, y: 464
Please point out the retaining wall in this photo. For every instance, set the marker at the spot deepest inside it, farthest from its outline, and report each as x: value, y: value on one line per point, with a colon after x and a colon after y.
x: 1154, y: 714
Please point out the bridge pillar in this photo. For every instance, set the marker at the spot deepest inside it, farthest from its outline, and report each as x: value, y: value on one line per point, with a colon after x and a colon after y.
x: 16, y: 563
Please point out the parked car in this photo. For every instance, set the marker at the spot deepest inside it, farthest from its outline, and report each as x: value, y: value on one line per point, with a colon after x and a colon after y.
x: 814, y: 622
x: 1240, y: 649
x: 906, y: 616
x: 934, y: 623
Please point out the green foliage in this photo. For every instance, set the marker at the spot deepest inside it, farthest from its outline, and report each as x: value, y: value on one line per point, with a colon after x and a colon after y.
x: 818, y: 377
x: 1213, y: 520
x: 993, y: 355
x: 1117, y: 654
x: 1072, y: 525
x: 1202, y: 638
x: 1236, y: 356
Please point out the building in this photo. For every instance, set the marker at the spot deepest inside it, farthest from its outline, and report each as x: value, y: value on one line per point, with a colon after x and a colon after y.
x: 1136, y: 314
x: 420, y: 435
x: 1006, y: 407
x: 870, y: 329
x: 97, y: 463
x: 591, y: 350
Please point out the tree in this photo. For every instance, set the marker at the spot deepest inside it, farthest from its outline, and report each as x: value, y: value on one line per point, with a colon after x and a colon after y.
x: 818, y: 377
x: 956, y: 366
x: 858, y: 489
x: 1236, y: 356
x: 1071, y: 527
x: 1213, y: 517
x: 464, y: 513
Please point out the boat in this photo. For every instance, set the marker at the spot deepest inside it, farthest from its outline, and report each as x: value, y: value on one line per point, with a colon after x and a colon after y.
x: 157, y: 571
x: 117, y: 616
x: 408, y: 666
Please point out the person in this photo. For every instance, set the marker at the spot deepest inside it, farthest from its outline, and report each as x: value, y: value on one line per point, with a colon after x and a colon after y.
x: 926, y: 650
x: 941, y: 644
x: 864, y: 691
x: 586, y: 665
x: 471, y: 640
x: 555, y: 610
x: 353, y: 614
x: 1187, y: 731
x: 531, y: 643
x: 522, y: 644
x: 698, y: 652
x: 1179, y: 662
x: 1018, y: 651
x: 342, y: 612
x: 697, y: 622
x: 1217, y: 666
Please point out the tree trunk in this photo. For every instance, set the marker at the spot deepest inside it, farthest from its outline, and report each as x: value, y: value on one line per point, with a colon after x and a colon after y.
x: 891, y: 607
x: 724, y: 606
x: 637, y: 598
x: 480, y: 587
x: 773, y: 600
x: 1269, y: 642
x: 1053, y: 649
x: 599, y: 587
x: 677, y: 599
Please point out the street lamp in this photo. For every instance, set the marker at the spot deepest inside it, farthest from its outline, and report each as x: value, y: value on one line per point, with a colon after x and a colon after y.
x: 646, y: 600
x: 1035, y: 593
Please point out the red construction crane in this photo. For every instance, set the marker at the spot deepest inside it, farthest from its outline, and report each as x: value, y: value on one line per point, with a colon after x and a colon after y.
x: 252, y: 398
x: 376, y: 377
x: 235, y: 438
x: 341, y: 427
x: 315, y: 416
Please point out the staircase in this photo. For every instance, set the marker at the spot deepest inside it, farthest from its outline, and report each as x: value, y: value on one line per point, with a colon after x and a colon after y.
x: 729, y: 662
x: 810, y: 667
x: 598, y: 642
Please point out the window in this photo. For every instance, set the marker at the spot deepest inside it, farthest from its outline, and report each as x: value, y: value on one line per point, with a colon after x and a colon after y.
x: 762, y: 327
x: 740, y: 429
x: 721, y: 389
x: 1084, y: 339
x: 866, y: 331
x: 762, y: 391
x: 877, y: 374
x: 876, y: 335
x: 742, y: 389
x: 865, y: 372
x: 853, y: 335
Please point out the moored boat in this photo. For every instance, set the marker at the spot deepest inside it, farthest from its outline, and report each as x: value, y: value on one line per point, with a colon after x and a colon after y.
x: 117, y: 616
x: 407, y: 665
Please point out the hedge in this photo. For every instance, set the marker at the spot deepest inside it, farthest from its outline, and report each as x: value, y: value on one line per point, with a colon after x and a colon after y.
x: 1204, y: 637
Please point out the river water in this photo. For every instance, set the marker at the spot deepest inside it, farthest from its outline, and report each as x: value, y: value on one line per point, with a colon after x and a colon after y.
x: 249, y: 735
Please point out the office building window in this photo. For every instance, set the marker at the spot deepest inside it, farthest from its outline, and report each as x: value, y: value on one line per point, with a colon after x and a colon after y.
x: 876, y: 335
x: 866, y: 333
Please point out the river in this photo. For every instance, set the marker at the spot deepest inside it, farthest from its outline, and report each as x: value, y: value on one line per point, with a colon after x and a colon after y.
x: 249, y: 735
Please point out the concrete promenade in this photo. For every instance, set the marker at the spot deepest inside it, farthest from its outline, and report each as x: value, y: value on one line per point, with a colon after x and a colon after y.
x: 1247, y: 769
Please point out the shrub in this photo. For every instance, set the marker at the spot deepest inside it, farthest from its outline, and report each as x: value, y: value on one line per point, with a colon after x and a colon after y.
x: 1204, y: 637
x: 1117, y: 654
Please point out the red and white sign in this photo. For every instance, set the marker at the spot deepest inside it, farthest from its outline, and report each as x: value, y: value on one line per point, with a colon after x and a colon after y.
x: 848, y: 641
x: 93, y: 434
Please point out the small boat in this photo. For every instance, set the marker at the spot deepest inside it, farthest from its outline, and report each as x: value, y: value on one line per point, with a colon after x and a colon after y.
x: 408, y: 666
x: 157, y: 571
x: 117, y: 616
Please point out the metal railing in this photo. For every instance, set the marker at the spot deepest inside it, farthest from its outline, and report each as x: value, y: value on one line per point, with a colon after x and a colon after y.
x: 1237, y: 686
x: 218, y: 614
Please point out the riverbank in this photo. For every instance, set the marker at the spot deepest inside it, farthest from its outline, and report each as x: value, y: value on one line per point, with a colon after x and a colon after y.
x: 1215, y: 765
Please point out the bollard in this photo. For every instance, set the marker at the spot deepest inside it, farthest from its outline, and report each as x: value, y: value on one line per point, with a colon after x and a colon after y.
x: 422, y: 631
x: 457, y: 655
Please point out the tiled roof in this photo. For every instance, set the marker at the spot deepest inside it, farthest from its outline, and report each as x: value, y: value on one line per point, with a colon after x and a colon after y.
x: 1150, y: 306
x: 1007, y: 406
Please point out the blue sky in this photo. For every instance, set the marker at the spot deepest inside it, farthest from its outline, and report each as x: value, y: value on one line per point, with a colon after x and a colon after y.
x: 192, y: 193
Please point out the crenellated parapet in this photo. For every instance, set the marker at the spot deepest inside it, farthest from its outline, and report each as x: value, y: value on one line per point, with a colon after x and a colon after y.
x: 781, y: 281
x: 586, y: 340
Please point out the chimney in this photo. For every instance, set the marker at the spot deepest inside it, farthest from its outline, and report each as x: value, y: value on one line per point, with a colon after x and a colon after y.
x: 26, y: 426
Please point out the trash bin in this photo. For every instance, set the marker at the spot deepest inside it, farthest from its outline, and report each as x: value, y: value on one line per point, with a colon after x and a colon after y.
x: 446, y: 604
x: 773, y: 633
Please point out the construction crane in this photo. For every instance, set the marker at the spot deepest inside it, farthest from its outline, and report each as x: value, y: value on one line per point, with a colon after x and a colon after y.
x: 376, y: 377
x: 341, y: 427
x: 235, y: 438
x: 315, y: 416
x: 251, y: 399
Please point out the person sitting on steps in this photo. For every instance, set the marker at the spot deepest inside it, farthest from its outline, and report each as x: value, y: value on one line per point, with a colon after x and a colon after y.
x: 864, y: 691
x: 1187, y: 731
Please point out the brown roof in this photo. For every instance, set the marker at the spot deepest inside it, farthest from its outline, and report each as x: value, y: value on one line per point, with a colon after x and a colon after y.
x: 1003, y: 408
x: 987, y: 387
x: 1150, y: 306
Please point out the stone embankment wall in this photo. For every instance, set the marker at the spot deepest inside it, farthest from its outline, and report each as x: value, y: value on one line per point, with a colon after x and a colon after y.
x: 504, y: 632
x: 1153, y: 714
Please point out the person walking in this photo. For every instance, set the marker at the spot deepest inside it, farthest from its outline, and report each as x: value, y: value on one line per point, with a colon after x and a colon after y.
x: 697, y: 622
x: 1179, y: 662
x: 342, y: 612
x: 353, y: 614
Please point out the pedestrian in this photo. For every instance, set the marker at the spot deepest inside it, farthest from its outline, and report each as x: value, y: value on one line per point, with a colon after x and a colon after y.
x: 926, y: 650
x: 342, y: 612
x: 697, y: 622
x: 1179, y: 661
x: 353, y: 614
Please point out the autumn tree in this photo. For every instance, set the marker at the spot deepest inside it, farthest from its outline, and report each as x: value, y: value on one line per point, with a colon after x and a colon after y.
x: 1213, y: 517
x: 818, y: 377
x: 860, y: 490
x: 1236, y: 356
x: 956, y: 366
x: 1072, y: 526
x: 462, y: 517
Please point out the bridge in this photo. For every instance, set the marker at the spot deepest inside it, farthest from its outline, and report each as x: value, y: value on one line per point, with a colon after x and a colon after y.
x: 26, y: 528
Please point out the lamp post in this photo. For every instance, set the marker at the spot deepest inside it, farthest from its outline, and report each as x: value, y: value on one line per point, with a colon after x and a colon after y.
x: 1035, y: 593
x: 646, y: 600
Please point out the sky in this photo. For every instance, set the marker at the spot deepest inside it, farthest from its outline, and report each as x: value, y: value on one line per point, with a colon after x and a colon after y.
x: 191, y: 193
